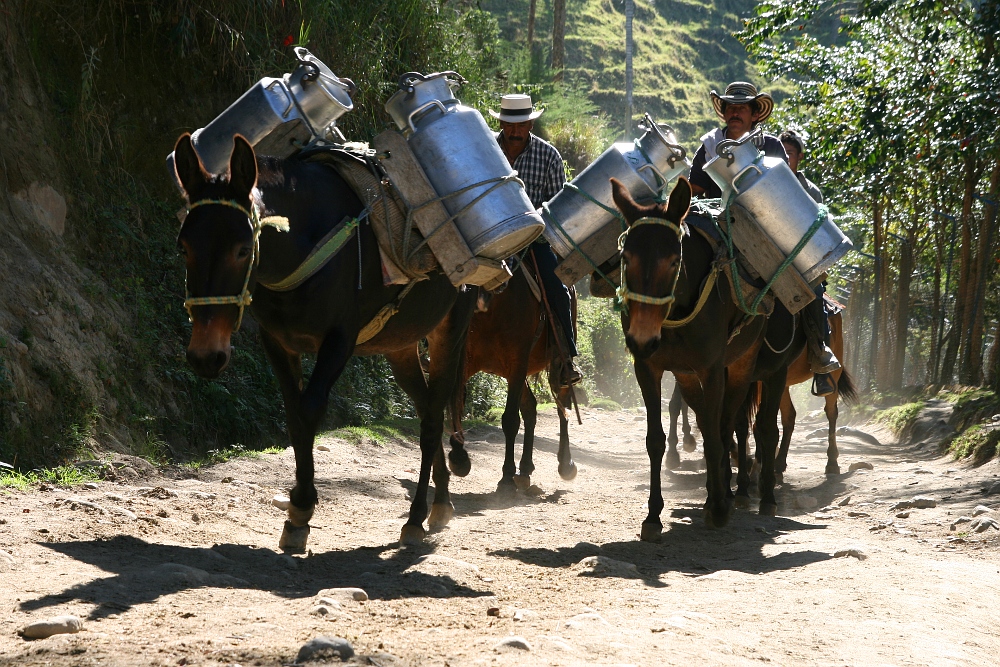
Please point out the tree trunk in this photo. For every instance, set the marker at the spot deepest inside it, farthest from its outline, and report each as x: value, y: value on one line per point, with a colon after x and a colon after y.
x: 934, y: 358
x: 558, y: 39
x: 532, y: 7
x: 967, y: 271
x: 902, y: 314
x: 984, y: 271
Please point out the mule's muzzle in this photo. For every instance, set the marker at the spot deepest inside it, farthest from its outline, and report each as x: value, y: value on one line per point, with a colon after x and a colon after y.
x: 210, y: 347
x: 644, y: 349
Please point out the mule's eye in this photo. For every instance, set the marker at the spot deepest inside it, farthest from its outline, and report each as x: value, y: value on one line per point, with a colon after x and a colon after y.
x: 244, y: 252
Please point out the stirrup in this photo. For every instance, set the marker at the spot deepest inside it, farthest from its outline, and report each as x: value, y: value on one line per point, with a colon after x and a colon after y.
x: 822, y: 384
x: 571, y: 375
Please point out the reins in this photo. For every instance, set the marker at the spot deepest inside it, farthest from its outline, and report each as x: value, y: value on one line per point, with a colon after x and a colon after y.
x: 624, y: 294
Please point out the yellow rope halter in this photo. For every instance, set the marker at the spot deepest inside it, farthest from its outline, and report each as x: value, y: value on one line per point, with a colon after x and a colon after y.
x: 624, y: 294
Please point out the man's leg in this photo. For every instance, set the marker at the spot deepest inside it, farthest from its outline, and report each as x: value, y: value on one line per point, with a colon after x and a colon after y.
x: 559, y: 301
x: 822, y: 360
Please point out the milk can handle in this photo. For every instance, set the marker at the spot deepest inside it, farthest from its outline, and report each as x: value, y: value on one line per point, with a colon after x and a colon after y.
x: 743, y: 171
x: 421, y: 108
x: 656, y: 171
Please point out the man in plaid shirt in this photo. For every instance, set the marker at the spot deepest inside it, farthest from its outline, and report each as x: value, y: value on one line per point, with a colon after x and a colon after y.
x: 539, y: 165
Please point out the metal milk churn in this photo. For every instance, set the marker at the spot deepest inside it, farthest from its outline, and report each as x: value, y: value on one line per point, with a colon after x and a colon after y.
x: 769, y: 190
x: 278, y: 116
x: 644, y: 166
x: 464, y: 163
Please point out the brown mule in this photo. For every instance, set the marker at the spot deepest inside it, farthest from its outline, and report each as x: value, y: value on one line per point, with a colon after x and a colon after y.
x: 512, y: 338
x: 712, y: 356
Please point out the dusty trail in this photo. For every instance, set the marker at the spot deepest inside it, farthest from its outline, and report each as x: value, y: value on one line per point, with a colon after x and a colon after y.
x: 195, y: 579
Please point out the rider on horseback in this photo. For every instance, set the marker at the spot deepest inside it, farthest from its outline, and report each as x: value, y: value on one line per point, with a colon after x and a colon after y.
x: 743, y: 108
x: 540, y: 167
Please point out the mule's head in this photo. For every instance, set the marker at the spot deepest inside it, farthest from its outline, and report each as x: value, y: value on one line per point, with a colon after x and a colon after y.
x: 217, y: 241
x: 651, y: 262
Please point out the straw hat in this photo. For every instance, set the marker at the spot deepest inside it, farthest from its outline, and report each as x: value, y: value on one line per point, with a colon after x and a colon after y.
x: 516, y: 108
x: 741, y: 92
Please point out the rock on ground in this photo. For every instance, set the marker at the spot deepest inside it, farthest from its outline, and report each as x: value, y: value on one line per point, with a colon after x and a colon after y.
x: 323, y: 648
x: 860, y: 465
x: 602, y: 565
x: 852, y: 551
x: 512, y: 642
x: 341, y: 594
x: 56, y: 625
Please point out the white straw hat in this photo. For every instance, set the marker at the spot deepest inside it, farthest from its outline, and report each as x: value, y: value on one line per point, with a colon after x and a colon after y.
x: 516, y: 108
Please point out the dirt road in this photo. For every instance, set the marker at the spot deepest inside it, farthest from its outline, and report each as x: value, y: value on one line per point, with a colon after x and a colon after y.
x: 167, y: 570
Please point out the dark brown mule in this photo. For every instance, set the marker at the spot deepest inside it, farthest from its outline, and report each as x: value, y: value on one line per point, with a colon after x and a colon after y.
x: 678, y: 410
x: 322, y: 316
x: 799, y: 372
x: 711, y: 370
x: 513, y: 339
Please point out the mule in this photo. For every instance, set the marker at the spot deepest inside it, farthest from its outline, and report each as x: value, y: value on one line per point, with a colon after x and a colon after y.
x: 226, y: 248
x: 712, y: 356
x: 799, y: 372
x: 678, y: 411
x: 512, y: 338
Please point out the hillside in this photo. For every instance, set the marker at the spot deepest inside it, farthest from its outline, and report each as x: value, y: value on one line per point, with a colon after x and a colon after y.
x: 683, y: 49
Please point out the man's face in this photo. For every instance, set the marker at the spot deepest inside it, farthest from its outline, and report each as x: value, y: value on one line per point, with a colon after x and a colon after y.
x: 793, y: 154
x: 515, y: 135
x: 739, y: 119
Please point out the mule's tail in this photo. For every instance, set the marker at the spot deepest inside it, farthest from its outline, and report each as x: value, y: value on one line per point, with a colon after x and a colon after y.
x: 846, y: 388
x: 752, y: 403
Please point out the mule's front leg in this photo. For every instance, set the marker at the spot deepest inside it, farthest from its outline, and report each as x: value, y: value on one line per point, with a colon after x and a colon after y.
x: 567, y: 467
x: 766, y: 435
x: 304, y: 410
x: 709, y: 415
x: 529, y: 413
x: 649, y: 384
x: 832, y: 453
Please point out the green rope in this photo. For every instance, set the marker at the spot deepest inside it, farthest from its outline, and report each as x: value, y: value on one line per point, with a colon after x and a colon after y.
x: 586, y: 195
x: 547, y: 214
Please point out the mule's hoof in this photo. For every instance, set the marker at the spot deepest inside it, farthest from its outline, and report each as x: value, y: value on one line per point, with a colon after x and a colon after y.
x: 294, y: 538
x: 768, y: 509
x: 690, y: 444
x: 717, y: 515
x: 832, y: 469
x: 411, y: 535
x: 506, y: 487
x: 459, y: 463
x: 673, y: 461
x: 742, y: 502
x: 522, y: 482
x: 779, y: 478
x: 441, y: 514
x: 568, y: 471
x: 651, y: 532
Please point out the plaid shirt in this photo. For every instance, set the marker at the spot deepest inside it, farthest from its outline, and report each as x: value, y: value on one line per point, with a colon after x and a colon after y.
x: 541, y: 168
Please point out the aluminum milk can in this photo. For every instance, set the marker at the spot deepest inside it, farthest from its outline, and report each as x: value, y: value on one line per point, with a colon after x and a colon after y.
x: 277, y: 115
x: 465, y: 165
x: 769, y: 190
x: 644, y: 167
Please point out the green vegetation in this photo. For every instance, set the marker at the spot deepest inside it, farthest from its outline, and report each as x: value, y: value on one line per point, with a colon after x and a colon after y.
x: 60, y: 476
x: 978, y: 441
x: 899, y: 418
x: 379, y: 432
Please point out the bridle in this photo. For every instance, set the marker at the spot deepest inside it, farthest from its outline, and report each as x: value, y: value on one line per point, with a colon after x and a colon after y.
x: 624, y: 294
x: 244, y: 298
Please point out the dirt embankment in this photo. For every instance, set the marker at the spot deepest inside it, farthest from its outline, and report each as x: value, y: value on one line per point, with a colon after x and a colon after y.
x: 180, y: 567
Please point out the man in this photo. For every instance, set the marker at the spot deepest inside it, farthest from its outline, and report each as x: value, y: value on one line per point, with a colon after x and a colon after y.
x: 795, y: 147
x: 742, y: 108
x: 539, y: 165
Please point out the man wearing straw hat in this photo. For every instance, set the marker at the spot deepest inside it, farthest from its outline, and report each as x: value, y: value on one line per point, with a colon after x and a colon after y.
x: 539, y: 165
x: 742, y: 108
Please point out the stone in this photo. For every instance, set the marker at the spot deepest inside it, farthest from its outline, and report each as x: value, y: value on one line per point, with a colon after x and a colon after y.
x: 356, y: 594
x: 981, y: 509
x: 56, y: 625
x: 322, y: 648
x: 121, y: 511
x: 860, y: 465
x: 602, y: 565
x: 281, y: 501
x: 858, y: 514
x: 512, y: 642
x: 7, y: 562
x: 91, y: 486
x: 445, y: 568
x: 983, y: 523
x: 320, y: 610
x: 322, y: 448
x: 994, y: 489
x: 586, y: 621
x: 903, y: 515
x: 201, y: 495
x: 923, y: 502
x: 852, y: 551
x: 960, y: 520
x: 45, y: 205
x: 805, y: 502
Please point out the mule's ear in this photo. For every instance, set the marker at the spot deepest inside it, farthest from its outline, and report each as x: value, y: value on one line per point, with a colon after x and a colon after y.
x: 624, y: 202
x: 243, y: 166
x: 190, y: 172
x: 680, y: 200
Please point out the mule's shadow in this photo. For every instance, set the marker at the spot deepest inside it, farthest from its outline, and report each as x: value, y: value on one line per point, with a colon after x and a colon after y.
x: 142, y: 572
x: 686, y: 548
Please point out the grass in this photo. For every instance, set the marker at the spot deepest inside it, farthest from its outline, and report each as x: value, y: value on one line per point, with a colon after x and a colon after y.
x: 605, y: 404
x: 379, y: 433
x: 60, y: 476
x: 899, y: 418
x: 978, y: 441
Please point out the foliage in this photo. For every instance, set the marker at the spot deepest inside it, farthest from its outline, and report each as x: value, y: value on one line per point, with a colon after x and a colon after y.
x: 483, y: 394
x: 604, y: 360
x: 897, y: 419
x: 59, y: 475
x: 978, y: 441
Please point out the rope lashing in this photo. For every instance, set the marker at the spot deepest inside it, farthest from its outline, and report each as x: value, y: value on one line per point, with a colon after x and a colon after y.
x: 549, y: 218
x: 624, y: 294
x: 320, y: 255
